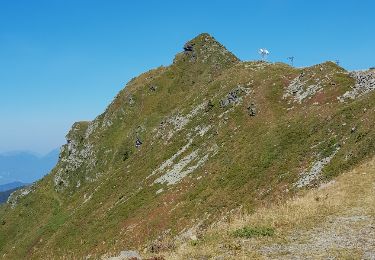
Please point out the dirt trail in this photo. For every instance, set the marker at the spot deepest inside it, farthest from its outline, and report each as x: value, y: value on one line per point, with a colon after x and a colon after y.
x: 350, y: 233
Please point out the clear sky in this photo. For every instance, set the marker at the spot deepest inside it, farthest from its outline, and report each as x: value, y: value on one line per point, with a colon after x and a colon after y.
x: 63, y: 61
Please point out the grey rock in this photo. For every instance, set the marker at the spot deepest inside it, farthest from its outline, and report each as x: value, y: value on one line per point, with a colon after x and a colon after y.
x: 126, y: 255
x: 131, y: 100
x: 252, y: 110
x: 138, y: 142
x: 153, y: 88
x: 232, y: 97
x: 188, y: 47
x: 365, y: 83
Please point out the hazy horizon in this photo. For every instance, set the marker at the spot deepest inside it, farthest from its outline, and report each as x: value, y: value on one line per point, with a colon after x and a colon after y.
x: 26, y: 167
x: 37, y: 154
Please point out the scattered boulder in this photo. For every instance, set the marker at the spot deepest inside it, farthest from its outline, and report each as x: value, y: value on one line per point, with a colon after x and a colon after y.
x: 138, y: 143
x: 188, y: 47
x: 232, y: 97
x: 190, y: 52
x: 301, y: 88
x: 162, y: 123
x: 126, y: 155
x: 252, y: 110
x: 15, y: 196
x: 131, y: 100
x: 209, y: 106
x: 153, y: 88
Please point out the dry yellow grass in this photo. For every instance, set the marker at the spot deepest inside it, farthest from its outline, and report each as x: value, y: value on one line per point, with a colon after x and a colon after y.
x: 347, y: 203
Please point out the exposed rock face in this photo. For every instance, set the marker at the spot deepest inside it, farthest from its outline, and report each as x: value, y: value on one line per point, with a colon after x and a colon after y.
x: 185, y: 166
x: 205, y: 49
x: 188, y: 47
x: 234, y: 96
x: 17, y: 195
x: 313, y: 81
x: 299, y: 89
x: 365, y: 82
x: 308, y: 176
x: 231, y: 98
x: 77, y: 153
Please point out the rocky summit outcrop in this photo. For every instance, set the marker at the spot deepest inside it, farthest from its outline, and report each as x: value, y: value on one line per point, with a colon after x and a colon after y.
x: 205, y: 49
x: 365, y: 83
x: 185, y: 145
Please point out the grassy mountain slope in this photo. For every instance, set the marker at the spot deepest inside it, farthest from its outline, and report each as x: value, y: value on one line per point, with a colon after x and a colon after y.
x: 216, y: 134
x: 334, y: 221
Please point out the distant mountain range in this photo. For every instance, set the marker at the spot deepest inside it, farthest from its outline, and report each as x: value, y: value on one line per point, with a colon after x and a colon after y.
x: 25, y: 167
x: 11, y: 185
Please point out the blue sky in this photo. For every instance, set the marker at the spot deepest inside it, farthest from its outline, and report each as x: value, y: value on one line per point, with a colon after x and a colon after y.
x: 64, y: 61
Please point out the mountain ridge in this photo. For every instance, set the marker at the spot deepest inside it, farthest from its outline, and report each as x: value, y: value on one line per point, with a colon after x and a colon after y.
x: 181, y: 146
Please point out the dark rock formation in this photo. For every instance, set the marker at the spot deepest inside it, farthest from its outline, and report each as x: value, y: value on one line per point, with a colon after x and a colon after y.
x: 138, y: 142
x: 153, y: 88
x: 188, y: 47
x: 232, y: 97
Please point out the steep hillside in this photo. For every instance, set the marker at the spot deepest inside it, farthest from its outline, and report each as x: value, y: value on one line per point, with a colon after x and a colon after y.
x: 184, y: 145
x: 333, y: 221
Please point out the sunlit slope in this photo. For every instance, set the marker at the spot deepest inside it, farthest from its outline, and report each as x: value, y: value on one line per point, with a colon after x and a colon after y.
x: 182, y: 145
